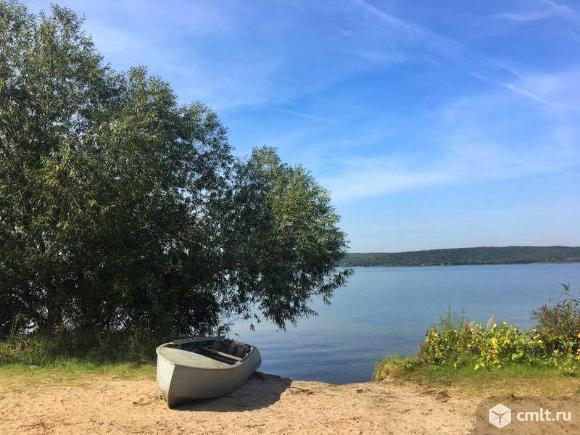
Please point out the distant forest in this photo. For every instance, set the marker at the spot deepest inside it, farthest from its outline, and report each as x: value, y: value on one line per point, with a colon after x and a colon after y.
x: 481, y: 255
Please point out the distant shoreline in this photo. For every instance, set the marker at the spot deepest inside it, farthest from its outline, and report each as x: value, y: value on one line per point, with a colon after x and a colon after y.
x: 467, y: 264
x: 478, y: 256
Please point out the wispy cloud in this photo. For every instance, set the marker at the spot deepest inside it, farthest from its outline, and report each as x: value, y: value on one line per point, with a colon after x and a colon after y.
x: 416, y: 33
x: 512, y: 88
x: 477, y: 139
x: 392, y: 20
x: 524, y: 92
x: 253, y: 70
x: 485, y: 67
x: 381, y: 176
x: 492, y: 71
x: 541, y: 10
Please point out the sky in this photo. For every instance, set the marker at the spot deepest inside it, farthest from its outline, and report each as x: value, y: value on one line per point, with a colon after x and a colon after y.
x: 433, y: 124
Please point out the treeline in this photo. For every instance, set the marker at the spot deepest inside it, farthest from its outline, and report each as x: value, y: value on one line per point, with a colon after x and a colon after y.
x: 459, y: 256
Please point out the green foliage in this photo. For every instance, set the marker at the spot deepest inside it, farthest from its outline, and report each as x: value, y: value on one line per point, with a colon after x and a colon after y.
x: 284, y: 238
x: 134, y: 346
x: 454, y: 342
x: 561, y: 319
x: 498, y: 345
x: 68, y: 370
x: 121, y: 210
x: 510, y: 377
x: 482, y: 255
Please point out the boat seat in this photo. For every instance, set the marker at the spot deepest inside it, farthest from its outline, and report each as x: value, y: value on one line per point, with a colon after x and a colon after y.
x: 222, y: 354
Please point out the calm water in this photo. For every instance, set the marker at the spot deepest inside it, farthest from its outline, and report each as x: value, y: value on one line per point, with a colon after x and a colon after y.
x: 387, y: 310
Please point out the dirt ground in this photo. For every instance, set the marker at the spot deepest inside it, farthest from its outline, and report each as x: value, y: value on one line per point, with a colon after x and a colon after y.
x: 265, y: 404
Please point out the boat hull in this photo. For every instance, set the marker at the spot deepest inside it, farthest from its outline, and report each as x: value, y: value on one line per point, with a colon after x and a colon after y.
x: 180, y: 384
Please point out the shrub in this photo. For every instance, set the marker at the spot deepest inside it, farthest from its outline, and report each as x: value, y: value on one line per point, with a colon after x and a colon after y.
x: 562, y: 318
x: 555, y: 342
x: 135, y: 346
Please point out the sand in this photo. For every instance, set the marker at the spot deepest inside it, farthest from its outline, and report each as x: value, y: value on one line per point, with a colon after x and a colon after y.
x: 265, y: 404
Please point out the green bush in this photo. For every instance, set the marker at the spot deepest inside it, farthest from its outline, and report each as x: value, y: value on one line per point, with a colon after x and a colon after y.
x: 554, y: 342
x: 135, y: 346
x: 562, y: 318
x: 496, y: 345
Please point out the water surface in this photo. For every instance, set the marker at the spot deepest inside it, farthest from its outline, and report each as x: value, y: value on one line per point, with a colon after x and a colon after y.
x: 386, y: 310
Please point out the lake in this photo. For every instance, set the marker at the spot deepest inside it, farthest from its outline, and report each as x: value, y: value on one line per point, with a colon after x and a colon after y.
x: 386, y: 310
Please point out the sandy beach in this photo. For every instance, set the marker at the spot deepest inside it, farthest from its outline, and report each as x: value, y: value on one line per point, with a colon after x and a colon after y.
x: 265, y: 404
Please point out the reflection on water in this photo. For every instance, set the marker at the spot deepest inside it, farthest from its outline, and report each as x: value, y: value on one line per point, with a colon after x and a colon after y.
x: 386, y: 310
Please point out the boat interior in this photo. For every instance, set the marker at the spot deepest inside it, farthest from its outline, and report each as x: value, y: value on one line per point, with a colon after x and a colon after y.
x: 220, y: 349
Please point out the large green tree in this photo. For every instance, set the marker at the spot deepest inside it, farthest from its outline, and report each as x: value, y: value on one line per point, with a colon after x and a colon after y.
x: 120, y: 208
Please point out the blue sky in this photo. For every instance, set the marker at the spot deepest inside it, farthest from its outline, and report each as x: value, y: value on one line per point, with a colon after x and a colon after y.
x: 433, y: 124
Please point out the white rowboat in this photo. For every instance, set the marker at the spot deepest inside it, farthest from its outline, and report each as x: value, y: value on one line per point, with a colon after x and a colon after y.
x: 203, y: 368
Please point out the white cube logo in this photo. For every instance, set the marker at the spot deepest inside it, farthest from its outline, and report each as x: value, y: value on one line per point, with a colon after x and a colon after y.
x: 500, y: 416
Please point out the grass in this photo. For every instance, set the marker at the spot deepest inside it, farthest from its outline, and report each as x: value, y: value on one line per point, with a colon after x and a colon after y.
x: 67, y: 372
x: 516, y: 379
x: 67, y: 348
x: 67, y: 369
x: 20, y: 377
x: 28, y: 360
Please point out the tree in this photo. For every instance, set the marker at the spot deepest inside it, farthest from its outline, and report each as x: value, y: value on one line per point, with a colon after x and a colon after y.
x: 284, y: 242
x: 120, y: 208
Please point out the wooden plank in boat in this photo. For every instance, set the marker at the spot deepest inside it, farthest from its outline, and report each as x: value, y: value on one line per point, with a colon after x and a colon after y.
x: 225, y: 355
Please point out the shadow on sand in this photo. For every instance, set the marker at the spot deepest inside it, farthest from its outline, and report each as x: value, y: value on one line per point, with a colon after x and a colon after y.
x: 260, y: 391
